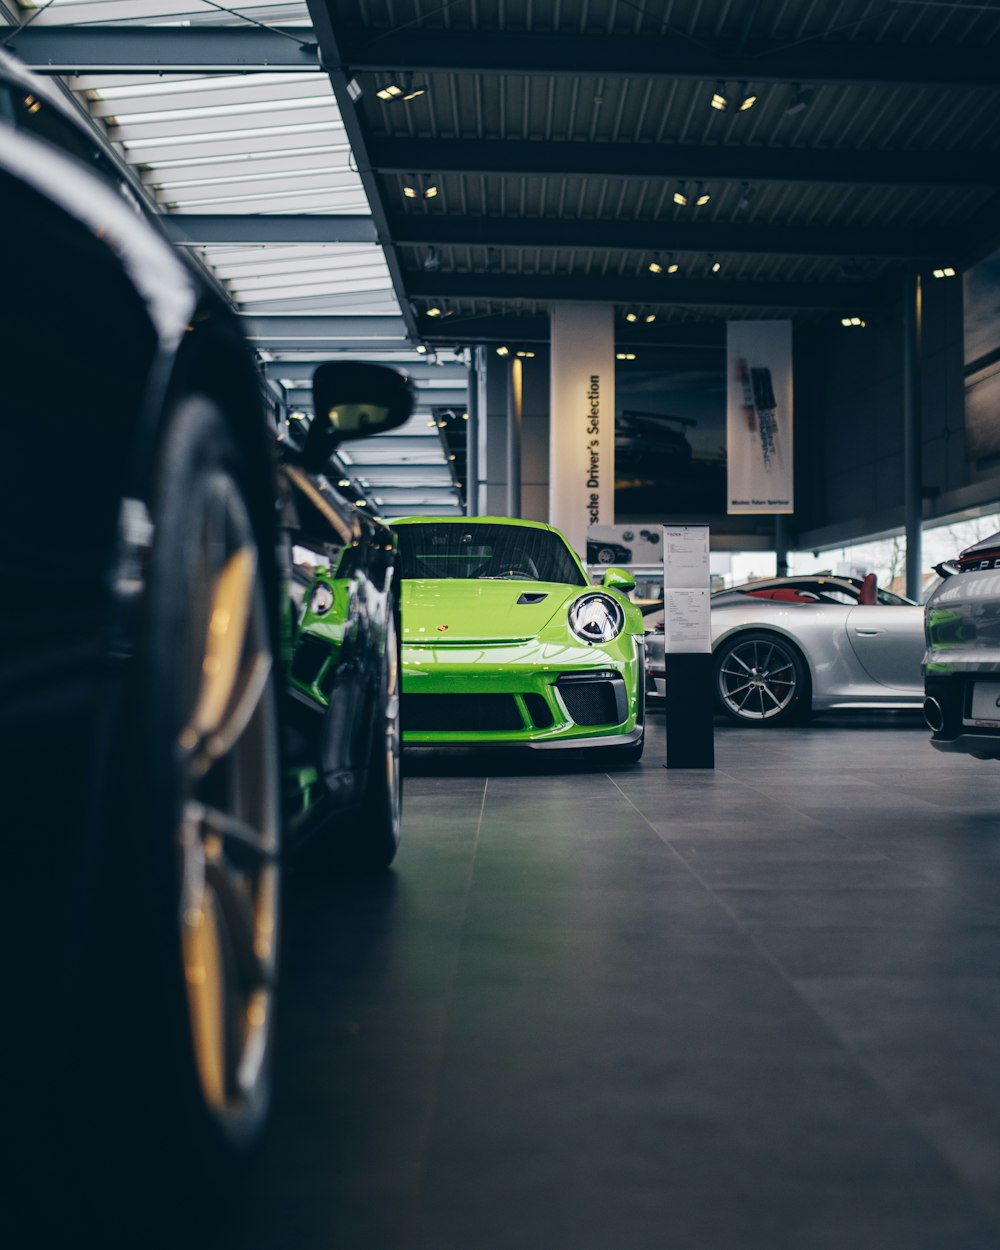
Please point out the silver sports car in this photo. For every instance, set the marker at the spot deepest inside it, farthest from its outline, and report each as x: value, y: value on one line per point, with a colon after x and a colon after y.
x: 785, y: 647
x: 962, y: 664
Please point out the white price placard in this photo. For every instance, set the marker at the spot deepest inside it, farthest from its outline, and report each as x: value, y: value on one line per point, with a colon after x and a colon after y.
x: 687, y: 622
x: 685, y: 557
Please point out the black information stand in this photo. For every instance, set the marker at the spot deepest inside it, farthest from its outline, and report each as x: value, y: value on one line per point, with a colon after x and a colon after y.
x: 687, y: 646
x: 690, y: 711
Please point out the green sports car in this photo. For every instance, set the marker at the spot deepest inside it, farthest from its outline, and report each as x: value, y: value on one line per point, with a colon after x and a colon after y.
x: 507, y: 643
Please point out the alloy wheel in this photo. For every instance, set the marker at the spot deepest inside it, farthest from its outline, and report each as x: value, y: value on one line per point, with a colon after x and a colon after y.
x: 757, y: 679
x: 228, y: 838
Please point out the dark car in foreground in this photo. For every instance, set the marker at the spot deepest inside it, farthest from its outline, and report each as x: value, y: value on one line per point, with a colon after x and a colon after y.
x: 162, y: 699
x: 962, y: 661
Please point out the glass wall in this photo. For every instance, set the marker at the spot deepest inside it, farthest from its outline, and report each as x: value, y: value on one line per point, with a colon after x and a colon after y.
x: 886, y: 557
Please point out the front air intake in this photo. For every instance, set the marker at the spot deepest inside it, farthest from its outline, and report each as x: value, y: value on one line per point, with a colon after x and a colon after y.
x: 461, y: 713
x: 594, y: 698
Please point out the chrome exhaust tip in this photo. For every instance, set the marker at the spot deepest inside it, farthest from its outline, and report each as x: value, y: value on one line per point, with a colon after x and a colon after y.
x: 933, y: 714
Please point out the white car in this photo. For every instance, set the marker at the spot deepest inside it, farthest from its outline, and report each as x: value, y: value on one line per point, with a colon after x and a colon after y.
x: 962, y: 664
x: 792, y: 645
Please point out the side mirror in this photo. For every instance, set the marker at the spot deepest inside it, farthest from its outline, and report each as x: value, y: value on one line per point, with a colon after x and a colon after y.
x: 618, y: 579
x: 352, y: 400
x: 947, y: 568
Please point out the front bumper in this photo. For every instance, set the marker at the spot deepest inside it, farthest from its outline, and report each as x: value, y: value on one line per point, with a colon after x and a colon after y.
x: 539, y: 695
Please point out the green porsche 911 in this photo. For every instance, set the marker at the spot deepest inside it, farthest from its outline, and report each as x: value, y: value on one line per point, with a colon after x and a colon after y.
x: 507, y: 643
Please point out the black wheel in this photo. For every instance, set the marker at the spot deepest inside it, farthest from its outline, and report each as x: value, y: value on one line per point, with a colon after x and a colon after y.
x: 761, y: 680
x: 605, y: 555
x: 375, y: 840
x: 188, y: 981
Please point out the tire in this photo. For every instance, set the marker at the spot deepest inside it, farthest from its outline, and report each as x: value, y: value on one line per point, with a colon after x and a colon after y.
x: 195, y: 877
x: 761, y: 679
x: 373, y: 846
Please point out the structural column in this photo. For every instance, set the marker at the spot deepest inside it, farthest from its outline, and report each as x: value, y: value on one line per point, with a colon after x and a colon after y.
x: 912, y: 434
x: 515, y: 422
x: 781, y: 545
x: 477, y: 412
x: 582, y: 420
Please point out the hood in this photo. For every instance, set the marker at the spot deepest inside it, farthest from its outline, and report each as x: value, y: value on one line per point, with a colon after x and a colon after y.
x: 481, y: 610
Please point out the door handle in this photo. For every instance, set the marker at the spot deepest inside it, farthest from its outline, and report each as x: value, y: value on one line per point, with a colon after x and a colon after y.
x: 869, y: 633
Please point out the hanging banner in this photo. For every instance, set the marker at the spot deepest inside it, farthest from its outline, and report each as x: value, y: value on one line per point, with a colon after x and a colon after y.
x: 582, y: 420
x: 759, y: 416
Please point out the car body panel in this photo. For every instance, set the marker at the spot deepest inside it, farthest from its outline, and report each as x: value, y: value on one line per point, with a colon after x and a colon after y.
x: 962, y: 660
x: 481, y: 610
x: 502, y: 648
x: 885, y: 641
x: 336, y: 652
x: 857, y: 654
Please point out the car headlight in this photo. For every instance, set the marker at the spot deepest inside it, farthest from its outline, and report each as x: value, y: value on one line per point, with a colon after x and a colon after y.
x: 596, y: 618
x: 321, y: 600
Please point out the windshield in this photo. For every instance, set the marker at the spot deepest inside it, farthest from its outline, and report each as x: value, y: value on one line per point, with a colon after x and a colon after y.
x: 486, y: 551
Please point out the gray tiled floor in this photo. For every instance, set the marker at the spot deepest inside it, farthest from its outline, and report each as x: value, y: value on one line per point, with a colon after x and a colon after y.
x: 754, y: 1007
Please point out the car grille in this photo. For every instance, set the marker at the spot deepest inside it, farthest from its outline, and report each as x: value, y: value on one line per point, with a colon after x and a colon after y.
x: 595, y: 702
x: 461, y: 712
x: 309, y: 657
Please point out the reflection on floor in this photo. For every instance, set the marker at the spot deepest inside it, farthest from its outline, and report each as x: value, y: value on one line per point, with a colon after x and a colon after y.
x: 756, y: 1007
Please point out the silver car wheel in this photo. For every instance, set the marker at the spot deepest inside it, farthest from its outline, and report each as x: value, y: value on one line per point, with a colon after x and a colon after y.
x: 758, y: 679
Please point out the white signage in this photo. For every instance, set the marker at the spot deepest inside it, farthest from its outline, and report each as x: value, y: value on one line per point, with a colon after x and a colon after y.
x: 687, y: 625
x: 582, y: 420
x: 759, y: 417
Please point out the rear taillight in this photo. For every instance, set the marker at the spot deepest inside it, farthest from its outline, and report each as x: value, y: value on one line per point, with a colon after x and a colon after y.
x: 974, y: 562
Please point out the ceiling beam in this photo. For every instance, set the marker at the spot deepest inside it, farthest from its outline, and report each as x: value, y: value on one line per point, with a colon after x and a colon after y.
x: 325, y: 25
x: 732, y: 237
x: 644, y: 289
x: 456, y: 230
x: 359, y: 334
x: 672, y: 56
x: 249, y: 229
x: 425, y: 399
x: 165, y: 49
x: 302, y: 371
x: 681, y: 162
x: 534, y: 332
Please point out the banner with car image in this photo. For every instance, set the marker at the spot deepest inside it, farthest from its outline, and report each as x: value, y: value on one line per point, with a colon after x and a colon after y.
x: 628, y: 545
x: 759, y: 417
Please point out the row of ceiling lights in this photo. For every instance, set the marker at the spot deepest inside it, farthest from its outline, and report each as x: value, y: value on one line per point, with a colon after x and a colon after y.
x: 854, y: 322
x: 659, y: 265
x: 424, y: 187
x: 403, y: 87
x: 503, y: 350
x: 667, y: 264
